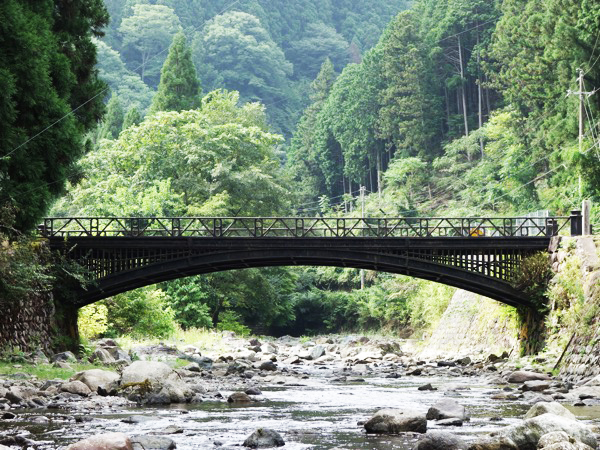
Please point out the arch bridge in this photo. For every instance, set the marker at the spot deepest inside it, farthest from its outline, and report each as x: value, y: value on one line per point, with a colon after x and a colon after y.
x: 482, y: 255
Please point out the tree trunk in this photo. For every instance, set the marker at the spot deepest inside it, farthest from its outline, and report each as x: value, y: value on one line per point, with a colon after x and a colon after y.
x: 464, y: 93
x: 379, y: 170
x: 479, y: 94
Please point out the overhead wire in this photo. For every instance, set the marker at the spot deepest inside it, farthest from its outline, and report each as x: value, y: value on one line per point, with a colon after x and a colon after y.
x: 103, y: 91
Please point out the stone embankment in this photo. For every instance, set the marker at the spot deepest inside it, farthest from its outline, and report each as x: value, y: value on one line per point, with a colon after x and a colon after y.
x: 166, y: 375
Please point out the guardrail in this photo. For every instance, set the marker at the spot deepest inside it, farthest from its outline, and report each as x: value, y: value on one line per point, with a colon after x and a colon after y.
x: 305, y: 227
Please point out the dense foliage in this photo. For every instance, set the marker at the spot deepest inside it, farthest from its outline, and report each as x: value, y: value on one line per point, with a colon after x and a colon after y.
x: 267, y: 50
x: 455, y: 107
x: 47, y: 62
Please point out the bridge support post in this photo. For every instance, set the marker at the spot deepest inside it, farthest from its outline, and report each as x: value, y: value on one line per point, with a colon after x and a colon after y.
x: 576, y: 223
x: 586, y: 210
x: 66, y: 331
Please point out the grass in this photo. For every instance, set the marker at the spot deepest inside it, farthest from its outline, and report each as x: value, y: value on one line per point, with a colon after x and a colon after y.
x: 44, y: 371
x: 205, y: 340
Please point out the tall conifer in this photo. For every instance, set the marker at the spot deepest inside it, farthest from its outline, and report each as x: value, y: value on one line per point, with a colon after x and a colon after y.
x: 179, y: 87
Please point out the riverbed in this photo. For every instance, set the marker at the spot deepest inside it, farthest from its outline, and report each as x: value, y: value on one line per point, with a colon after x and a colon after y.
x: 316, y: 413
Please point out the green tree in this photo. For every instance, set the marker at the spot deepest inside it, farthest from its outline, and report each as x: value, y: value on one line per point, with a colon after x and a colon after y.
x: 302, y: 161
x: 179, y: 88
x: 146, y: 34
x: 318, y: 43
x: 47, y: 63
x: 132, y: 91
x: 237, y: 53
x: 133, y: 117
x: 112, y: 123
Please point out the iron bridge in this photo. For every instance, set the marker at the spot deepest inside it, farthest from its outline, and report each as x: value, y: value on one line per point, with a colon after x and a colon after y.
x: 482, y: 255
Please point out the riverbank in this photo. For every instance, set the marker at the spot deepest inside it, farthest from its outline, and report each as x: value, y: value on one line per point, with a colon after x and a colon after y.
x: 316, y: 393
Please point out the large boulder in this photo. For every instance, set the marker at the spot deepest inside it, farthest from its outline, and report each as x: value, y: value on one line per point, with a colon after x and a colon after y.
x: 391, y: 421
x: 102, y: 355
x: 549, y: 407
x: 526, y: 435
x: 521, y: 376
x: 447, y: 408
x: 95, y: 377
x: 440, y: 440
x: 493, y: 443
x: 107, y: 441
x: 264, y: 438
x: 153, y: 443
x: 76, y: 387
x: 155, y: 382
x: 535, y: 386
x: 559, y: 440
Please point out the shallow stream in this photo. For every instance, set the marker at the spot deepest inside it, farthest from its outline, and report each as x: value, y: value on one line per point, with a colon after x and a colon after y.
x: 318, y: 414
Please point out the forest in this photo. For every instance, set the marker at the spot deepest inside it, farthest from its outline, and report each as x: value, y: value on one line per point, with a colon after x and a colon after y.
x: 269, y: 107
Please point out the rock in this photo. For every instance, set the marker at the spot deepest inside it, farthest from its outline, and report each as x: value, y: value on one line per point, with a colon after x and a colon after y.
x: 95, y: 377
x: 64, y: 357
x: 193, y: 367
x: 427, y: 387
x: 447, y: 409
x: 203, y: 361
x: 138, y: 419
x: 535, y: 386
x: 316, y: 352
x: 558, y: 440
x: 254, y: 342
x: 464, y: 361
x: 521, y: 376
x: 107, y: 441
x: 253, y: 391
x: 264, y: 438
x: 527, y: 434
x: 152, y: 443
x: 76, y: 387
x: 155, y: 382
x: 494, y: 443
x: 455, y: 422
x: 102, y: 355
x: 549, y: 407
x: 239, y: 397
x: 440, y: 440
x: 391, y: 421
x: 446, y: 363
x: 268, y: 366
x: 238, y: 366
x: 62, y: 365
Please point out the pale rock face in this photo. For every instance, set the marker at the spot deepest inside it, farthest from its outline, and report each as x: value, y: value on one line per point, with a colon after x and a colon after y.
x: 163, y: 380
x: 527, y: 434
x: 391, y: 421
x: 553, y: 408
x: 521, y: 376
x: 95, y: 377
x: 76, y: 387
x: 108, y: 441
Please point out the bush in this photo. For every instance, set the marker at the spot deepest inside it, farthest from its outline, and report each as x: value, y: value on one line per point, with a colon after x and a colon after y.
x: 230, y: 321
x: 93, y: 320
x: 140, y: 313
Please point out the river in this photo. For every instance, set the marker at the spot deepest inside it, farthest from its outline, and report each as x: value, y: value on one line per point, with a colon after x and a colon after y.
x: 317, y: 413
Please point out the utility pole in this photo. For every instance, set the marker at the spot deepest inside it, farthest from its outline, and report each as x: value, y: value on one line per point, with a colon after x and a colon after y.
x: 582, y: 93
x: 362, y: 206
x: 581, y: 112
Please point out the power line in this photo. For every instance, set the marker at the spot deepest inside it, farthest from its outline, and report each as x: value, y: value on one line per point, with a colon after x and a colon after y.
x: 101, y: 92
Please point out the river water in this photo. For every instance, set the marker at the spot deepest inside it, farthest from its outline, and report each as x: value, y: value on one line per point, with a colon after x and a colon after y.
x: 317, y: 414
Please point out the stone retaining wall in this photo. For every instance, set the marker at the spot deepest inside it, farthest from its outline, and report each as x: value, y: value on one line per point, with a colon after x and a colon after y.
x: 27, y: 325
x: 473, y: 325
x: 582, y: 355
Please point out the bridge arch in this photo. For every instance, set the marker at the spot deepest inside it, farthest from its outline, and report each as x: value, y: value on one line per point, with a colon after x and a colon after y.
x: 256, y: 258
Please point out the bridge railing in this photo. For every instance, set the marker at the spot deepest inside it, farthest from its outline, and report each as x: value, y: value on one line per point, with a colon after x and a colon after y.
x: 302, y: 227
